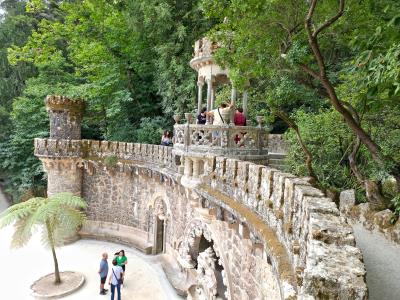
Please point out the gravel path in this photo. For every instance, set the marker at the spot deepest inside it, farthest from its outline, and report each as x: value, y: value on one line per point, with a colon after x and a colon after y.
x: 145, y: 278
x: 382, y: 260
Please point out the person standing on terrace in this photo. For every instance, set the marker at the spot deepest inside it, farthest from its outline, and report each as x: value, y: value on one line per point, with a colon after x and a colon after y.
x: 240, y: 118
x: 202, y: 117
x: 221, y: 114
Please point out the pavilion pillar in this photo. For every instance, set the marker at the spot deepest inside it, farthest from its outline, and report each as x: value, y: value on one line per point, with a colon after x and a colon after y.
x: 212, y: 98
x: 209, y: 94
x: 233, y: 102
x: 199, y: 96
x: 245, y: 98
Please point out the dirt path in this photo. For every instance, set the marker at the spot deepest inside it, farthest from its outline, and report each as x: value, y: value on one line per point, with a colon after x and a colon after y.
x: 3, y: 201
x: 382, y: 260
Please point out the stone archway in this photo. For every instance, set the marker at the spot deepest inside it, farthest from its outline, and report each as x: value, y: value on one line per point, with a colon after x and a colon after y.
x: 159, y: 220
x: 200, y: 250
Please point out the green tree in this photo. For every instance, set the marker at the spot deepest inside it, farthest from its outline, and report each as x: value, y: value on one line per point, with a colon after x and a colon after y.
x: 60, y: 215
x: 317, y: 44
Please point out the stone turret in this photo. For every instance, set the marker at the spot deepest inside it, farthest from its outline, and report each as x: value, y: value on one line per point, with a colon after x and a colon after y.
x: 63, y: 168
x: 65, y: 117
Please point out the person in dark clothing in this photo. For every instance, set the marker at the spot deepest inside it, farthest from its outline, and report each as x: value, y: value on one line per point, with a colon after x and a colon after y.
x: 202, y: 117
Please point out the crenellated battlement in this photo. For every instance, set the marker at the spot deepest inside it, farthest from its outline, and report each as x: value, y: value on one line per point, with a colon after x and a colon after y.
x: 91, y: 149
x: 314, y: 250
x: 61, y: 103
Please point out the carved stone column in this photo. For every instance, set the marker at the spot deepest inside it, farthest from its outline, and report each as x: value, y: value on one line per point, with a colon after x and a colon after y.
x: 188, y: 167
x: 196, y: 167
x: 213, y: 98
x: 200, y: 85
x: 63, y: 175
x: 245, y: 98
x: 209, y: 94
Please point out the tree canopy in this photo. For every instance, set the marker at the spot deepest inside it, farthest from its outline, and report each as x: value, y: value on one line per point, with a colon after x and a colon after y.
x: 327, y: 70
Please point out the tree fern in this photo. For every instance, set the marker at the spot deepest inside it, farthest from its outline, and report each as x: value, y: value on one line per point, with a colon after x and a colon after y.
x: 60, y: 216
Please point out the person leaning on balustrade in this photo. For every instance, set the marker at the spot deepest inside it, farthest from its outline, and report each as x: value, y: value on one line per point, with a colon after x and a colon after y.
x: 221, y: 114
x: 202, y: 117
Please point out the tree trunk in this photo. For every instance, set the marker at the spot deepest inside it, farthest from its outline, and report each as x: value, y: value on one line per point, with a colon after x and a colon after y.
x: 376, y: 200
x: 364, y: 137
x: 53, y: 251
x: 307, y: 153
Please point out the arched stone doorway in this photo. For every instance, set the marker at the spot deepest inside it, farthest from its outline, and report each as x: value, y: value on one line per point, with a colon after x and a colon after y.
x: 159, y: 222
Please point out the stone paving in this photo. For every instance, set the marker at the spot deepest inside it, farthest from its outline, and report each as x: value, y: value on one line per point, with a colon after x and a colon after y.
x: 382, y: 260
x: 20, y: 268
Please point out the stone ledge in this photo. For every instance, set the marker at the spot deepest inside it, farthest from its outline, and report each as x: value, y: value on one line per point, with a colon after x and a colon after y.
x: 112, y: 232
x: 57, y: 291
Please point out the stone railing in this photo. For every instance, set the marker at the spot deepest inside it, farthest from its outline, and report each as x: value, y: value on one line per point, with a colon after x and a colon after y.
x: 320, y: 245
x: 221, y: 140
x: 277, y: 144
x: 160, y: 155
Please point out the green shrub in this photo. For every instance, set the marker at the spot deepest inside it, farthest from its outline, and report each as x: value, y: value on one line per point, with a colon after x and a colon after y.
x: 111, y: 161
x: 151, y: 130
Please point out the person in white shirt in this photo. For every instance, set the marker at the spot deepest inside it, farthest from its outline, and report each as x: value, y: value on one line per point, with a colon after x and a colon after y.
x: 221, y: 115
x: 115, y: 279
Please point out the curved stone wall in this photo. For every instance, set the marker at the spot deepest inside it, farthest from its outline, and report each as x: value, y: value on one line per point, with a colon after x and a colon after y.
x: 233, y: 228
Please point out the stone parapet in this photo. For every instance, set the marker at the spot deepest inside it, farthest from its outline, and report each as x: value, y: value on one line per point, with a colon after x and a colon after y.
x: 91, y: 149
x: 322, y: 259
x: 319, y: 243
x: 277, y: 144
x: 58, y: 148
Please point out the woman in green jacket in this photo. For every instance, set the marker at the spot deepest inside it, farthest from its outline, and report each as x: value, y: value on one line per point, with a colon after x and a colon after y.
x: 121, y: 259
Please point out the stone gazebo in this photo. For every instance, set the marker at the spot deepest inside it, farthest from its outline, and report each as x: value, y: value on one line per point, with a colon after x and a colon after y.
x: 193, y: 143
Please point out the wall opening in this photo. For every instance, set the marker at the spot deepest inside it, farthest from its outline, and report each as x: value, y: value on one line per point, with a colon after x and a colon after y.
x: 159, y: 235
x: 204, y: 258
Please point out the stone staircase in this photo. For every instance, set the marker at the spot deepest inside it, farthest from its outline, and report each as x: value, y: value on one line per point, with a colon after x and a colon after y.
x: 276, y: 160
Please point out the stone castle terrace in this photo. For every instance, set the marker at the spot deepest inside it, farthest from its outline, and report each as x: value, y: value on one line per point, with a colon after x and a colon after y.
x: 233, y: 228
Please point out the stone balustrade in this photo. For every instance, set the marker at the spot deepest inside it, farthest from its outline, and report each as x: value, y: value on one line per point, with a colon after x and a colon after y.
x: 221, y: 140
x: 277, y: 144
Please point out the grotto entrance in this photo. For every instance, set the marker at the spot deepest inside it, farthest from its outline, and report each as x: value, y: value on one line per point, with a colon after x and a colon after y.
x: 209, y: 269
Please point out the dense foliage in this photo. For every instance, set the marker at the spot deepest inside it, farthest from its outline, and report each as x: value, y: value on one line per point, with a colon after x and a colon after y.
x: 127, y: 59
x: 340, y: 61
x: 333, y: 80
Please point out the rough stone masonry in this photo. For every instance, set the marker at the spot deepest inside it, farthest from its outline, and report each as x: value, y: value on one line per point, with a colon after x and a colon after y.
x: 230, y: 229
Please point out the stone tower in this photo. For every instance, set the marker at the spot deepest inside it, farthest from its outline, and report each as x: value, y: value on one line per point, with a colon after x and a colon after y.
x: 65, y: 117
x: 62, y: 162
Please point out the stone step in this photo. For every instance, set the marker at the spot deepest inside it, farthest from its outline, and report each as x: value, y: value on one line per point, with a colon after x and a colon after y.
x: 277, y: 160
x: 276, y: 155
